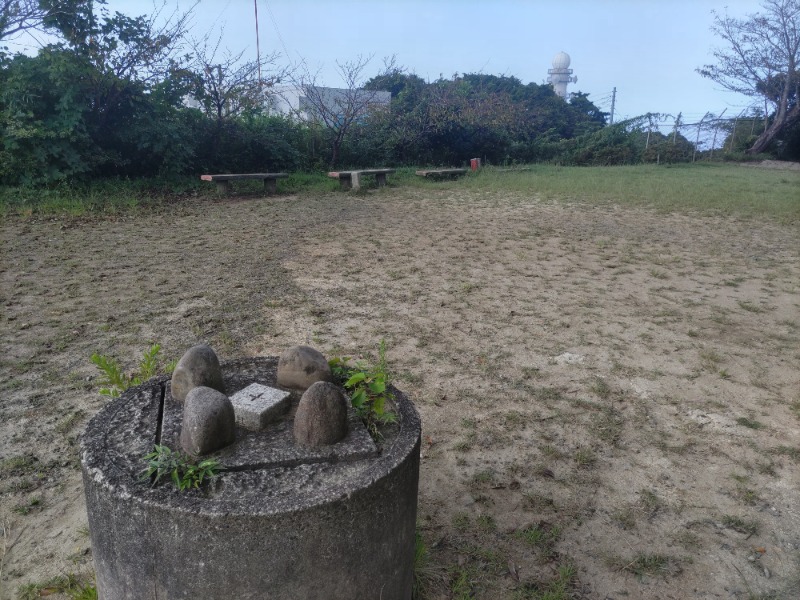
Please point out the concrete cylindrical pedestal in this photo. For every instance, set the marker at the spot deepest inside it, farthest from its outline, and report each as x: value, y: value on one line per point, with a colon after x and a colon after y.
x: 280, y: 521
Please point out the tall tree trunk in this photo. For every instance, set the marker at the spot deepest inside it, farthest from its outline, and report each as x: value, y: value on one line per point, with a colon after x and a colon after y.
x: 334, y: 155
x: 336, y: 147
x: 782, y: 120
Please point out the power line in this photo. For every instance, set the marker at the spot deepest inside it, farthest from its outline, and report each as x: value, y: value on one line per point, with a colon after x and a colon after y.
x: 223, y: 11
x: 277, y: 30
x: 258, y: 45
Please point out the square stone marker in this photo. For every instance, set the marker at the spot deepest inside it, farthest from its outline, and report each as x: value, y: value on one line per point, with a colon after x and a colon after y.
x: 258, y: 405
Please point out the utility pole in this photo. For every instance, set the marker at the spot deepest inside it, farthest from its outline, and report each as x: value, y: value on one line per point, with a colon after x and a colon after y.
x: 613, y: 102
x: 258, y: 48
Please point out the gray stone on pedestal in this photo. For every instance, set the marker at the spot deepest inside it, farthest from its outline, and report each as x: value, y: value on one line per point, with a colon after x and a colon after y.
x: 209, y: 422
x: 321, y: 416
x: 199, y: 366
x: 301, y: 366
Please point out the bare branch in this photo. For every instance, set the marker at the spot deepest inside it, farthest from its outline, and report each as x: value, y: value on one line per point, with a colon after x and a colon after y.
x: 226, y: 85
x: 17, y: 16
x: 162, y: 39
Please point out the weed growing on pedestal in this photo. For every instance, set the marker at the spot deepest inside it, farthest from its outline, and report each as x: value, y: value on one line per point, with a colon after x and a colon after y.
x: 115, y: 381
x: 184, y: 472
x: 368, y: 387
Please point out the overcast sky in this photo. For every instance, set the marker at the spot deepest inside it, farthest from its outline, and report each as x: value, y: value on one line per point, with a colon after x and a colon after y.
x: 647, y: 49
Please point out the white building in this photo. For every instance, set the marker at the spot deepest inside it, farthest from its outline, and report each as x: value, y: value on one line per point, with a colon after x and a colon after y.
x: 302, y: 101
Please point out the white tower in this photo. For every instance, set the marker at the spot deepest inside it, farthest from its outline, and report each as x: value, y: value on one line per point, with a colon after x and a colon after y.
x: 560, y: 75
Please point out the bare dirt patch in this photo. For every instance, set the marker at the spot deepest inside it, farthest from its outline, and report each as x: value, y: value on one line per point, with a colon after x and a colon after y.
x: 774, y: 164
x: 607, y: 390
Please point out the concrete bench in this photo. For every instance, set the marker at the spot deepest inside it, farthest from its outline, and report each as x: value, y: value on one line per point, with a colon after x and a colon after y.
x: 352, y: 179
x: 440, y: 173
x: 223, y: 181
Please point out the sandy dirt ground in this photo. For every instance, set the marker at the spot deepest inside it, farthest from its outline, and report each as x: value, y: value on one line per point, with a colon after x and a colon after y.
x: 610, y: 396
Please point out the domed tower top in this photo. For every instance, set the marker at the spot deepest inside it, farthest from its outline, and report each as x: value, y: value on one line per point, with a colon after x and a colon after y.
x: 561, y: 61
x: 560, y: 75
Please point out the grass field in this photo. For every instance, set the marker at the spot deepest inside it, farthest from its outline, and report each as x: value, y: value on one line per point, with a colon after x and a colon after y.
x: 703, y: 187
x: 605, y: 360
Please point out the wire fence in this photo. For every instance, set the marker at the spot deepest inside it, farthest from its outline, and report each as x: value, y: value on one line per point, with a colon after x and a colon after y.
x: 711, y: 133
x: 708, y: 133
x: 705, y: 136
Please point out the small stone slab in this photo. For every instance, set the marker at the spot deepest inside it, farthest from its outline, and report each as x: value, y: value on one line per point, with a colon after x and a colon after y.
x: 258, y: 405
x: 441, y: 172
x: 236, y: 176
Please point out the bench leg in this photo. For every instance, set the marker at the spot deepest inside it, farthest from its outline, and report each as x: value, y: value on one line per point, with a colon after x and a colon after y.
x: 380, y: 178
x: 223, y: 187
x: 355, y: 181
x: 271, y: 186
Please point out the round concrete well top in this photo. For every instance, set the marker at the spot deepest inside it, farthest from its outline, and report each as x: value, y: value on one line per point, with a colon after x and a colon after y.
x: 262, y: 473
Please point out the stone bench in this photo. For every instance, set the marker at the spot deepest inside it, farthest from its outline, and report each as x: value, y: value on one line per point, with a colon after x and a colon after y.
x: 441, y: 173
x: 223, y: 181
x: 352, y: 179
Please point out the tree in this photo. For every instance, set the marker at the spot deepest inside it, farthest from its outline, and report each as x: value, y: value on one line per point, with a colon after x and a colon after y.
x: 43, y: 133
x: 145, y: 49
x: 338, y: 111
x: 596, y: 117
x: 227, y: 86
x: 761, y: 59
x: 101, y: 102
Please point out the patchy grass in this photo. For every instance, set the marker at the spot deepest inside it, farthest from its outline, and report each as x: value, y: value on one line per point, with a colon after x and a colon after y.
x: 72, y: 586
x: 741, y: 525
x: 749, y: 423
x: 707, y: 188
x: 585, y: 458
x: 542, y: 536
x: 18, y: 465
x: 557, y: 588
x: 32, y: 504
x: 750, y: 306
x: 652, y: 565
x: 788, y: 451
